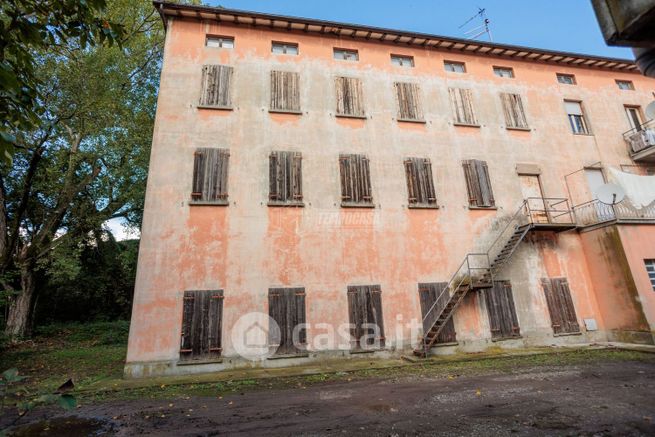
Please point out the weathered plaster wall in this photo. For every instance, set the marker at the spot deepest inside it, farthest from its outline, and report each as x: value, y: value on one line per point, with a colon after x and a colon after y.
x: 247, y: 247
x: 619, y: 301
x: 639, y: 244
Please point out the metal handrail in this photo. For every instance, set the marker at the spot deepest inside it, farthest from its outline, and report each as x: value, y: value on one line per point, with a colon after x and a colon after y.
x: 638, y: 128
x: 635, y: 137
x: 515, y: 221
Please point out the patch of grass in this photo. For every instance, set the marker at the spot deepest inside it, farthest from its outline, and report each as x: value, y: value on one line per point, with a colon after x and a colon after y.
x: 84, y: 352
x: 423, y: 369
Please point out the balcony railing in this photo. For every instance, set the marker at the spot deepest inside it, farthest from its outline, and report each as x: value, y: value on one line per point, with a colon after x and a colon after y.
x: 595, y: 212
x: 641, y: 141
x: 548, y: 211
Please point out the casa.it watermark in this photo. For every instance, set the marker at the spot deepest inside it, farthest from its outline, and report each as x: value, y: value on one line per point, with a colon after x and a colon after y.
x: 257, y: 336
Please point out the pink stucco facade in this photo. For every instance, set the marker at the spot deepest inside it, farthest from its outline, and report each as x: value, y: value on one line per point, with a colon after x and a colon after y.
x: 247, y: 247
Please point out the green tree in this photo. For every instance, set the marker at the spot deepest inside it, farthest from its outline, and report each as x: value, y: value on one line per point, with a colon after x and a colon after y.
x: 28, y: 25
x: 86, y: 161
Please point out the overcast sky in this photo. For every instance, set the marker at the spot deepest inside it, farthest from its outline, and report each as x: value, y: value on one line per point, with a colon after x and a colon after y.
x: 567, y: 25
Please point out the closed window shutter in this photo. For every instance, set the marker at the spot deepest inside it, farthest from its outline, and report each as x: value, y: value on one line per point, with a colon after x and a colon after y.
x: 202, y: 316
x: 210, y: 173
x: 286, y: 307
x: 285, y: 92
x: 561, y: 285
x: 485, y: 184
x: 428, y: 295
x: 375, y: 312
x: 355, y: 179
x: 409, y: 101
x: 420, y: 185
x: 365, y: 308
x: 216, y: 85
x: 473, y: 183
x: 560, y: 305
x: 350, y: 96
x: 513, y: 109
x: 285, y: 177
x: 461, y: 102
x: 503, y: 321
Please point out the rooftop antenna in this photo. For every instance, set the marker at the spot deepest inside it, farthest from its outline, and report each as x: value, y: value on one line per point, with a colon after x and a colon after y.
x: 481, y: 29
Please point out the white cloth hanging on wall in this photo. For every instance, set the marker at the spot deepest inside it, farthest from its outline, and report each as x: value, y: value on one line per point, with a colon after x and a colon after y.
x: 640, y: 190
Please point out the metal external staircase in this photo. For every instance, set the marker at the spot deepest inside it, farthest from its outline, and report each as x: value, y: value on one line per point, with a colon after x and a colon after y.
x: 477, y: 270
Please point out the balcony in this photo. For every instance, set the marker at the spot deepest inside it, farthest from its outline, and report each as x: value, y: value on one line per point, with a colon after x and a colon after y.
x: 595, y: 212
x: 641, y: 142
x: 547, y: 213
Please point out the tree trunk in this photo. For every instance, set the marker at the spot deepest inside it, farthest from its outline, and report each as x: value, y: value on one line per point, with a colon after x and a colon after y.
x: 21, y: 306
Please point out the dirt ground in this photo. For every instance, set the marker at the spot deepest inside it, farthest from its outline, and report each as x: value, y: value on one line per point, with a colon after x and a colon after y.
x: 596, y: 398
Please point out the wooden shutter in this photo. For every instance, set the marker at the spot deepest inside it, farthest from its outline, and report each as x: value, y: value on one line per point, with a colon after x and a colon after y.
x: 285, y: 177
x: 409, y: 101
x: 560, y: 305
x: 365, y: 307
x: 287, y: 307
x: 210, y: 168
x: 285, y: 92
x: 461, y: 102
x: 420, y: 185
x: 350, y: 96
x: 355, y: 179
x: 216, y: 86
x: 513, y: 109
x: 478, y: 183
x: 428, y: 295
x: 202, y: 317
x: 502, y: 313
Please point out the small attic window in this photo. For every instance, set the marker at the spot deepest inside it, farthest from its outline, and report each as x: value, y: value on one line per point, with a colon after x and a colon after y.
x: 222, y: 42
x: 284, y: 48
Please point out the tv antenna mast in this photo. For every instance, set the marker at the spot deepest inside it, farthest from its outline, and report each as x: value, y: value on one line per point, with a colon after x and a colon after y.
x: 481, y: 29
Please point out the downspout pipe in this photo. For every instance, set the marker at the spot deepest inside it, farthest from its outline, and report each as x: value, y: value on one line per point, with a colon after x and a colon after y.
x: 645, y: 60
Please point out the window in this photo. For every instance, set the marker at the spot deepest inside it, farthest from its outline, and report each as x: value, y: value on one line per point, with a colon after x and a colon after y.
x: 504, y: 72
x: 650, y: 269
x: 284, y: 48
x: 285, y: 178
x: 625, y: 84
x: 287, y: 307
x: 576, y: 117
x: 634, y: 117
x: 402, y: 61
x: 355, y: 181
x: 210, y: 176
x: 455, y: 67
x: 461, y: 103
x: 202, y: 318
x: 285, y: 93
x: 216, y: 85
x: 409, y: 101
x: 350, y: 97
x: 478, y: 184
x: 420, y: 186
x: 365, y: 315
x: 560, y: 305
x: 346, y: 54
x: 502, y: 314
x: 223, y: 42
x: 567, y: 79
x: 428, y: 295
x: 514, y: 113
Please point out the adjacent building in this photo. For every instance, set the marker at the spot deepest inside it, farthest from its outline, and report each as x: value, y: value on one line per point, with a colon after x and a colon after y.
x: 329, y: 174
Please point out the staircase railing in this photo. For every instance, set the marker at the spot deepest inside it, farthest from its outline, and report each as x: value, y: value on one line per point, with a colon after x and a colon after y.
x: 519, y: 218
x: 464, y: 275
x: 479, y: 268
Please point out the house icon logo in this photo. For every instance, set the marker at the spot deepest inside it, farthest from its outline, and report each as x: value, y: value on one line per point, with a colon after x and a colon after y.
x: 251, y: 336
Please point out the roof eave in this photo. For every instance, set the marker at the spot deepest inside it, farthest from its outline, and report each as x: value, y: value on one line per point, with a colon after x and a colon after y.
x: 355, y: 31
